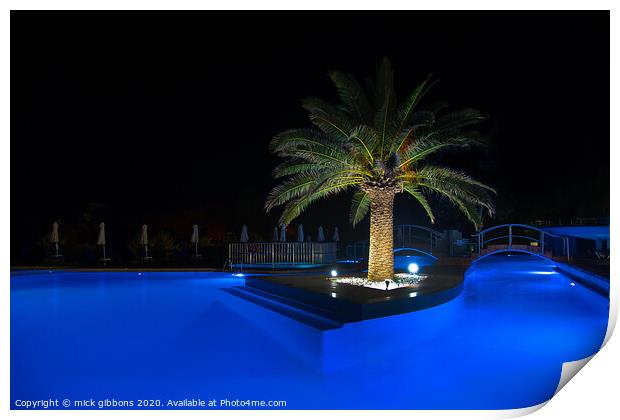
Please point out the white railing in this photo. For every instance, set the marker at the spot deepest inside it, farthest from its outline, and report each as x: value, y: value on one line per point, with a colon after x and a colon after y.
x: 281, y: 252
x: 539, y: 244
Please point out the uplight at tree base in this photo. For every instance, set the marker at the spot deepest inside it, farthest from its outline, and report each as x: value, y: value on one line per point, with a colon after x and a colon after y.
x: 413, y: 268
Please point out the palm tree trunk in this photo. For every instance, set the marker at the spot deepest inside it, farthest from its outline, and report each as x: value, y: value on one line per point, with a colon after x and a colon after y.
x: 381, y: 252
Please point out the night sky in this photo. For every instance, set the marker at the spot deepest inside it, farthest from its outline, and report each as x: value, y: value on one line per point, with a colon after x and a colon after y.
x: 165, y: 117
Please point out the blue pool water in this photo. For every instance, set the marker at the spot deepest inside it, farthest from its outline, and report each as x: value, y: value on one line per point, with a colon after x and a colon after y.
x: 172, y: 336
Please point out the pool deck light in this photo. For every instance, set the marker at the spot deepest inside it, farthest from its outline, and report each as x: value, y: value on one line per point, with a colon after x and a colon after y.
x: 413, y: 268
x: 334, y: 273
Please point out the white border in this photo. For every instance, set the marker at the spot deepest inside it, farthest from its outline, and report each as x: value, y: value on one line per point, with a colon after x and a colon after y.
x: 593, y: 394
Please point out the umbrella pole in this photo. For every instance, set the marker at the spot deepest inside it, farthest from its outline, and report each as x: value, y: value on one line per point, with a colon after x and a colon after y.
x: 103, y: 246
x: 196, y: 249
x: 56, y: 244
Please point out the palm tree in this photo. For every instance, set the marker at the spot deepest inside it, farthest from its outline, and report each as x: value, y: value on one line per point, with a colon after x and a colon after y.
x: 373, y: 145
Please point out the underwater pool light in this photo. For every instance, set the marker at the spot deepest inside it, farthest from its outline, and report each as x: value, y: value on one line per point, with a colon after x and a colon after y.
x: 572, y: 284
x: 413, y: 268
x: 334, y: 273
x: 238, y: 275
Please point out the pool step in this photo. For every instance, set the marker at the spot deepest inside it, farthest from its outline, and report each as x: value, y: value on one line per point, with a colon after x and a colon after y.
x: 306, y: 314
x: 313, y: 309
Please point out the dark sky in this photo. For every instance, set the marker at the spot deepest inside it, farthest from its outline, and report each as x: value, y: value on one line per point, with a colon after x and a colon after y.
x: 165, y: 117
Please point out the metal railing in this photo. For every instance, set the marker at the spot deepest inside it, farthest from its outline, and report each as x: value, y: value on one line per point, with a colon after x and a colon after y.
x: 281, y: 252
x: 405, y: 236
x: 410, y: 235
x: 544, y: 243
x: 576, y: 221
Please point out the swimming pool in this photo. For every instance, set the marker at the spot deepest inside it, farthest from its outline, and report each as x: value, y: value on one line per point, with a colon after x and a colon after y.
x: 176, y: 336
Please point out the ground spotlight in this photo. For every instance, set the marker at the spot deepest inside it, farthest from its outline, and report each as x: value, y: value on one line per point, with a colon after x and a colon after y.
x: 413, y: 268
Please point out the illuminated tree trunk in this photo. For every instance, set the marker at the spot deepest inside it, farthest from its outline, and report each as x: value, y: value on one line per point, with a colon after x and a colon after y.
x: 381, y: 252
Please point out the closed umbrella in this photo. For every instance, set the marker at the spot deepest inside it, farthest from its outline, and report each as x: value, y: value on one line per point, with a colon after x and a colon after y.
x: 300, y: 233
x: 336, y: 236
x: 275, y: 234
x: 101, y: 240
x: 144, y: 241
x: 194, y: 239
x: 54, y: 238
x: 282, y: 232
x: 320, y: 237
x: 244, y: 234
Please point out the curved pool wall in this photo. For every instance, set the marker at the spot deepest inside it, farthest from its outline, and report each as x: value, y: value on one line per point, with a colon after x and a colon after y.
x: 129, y: 336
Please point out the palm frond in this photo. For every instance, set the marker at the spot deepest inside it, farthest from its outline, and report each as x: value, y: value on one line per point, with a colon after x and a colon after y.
x: 467, y: 208
x: 456, y: 184
x: 322, y: 154
x: 294, y: 208
x: 421, y: 121
x: 417, y: 194
x: 385, y: 98
x: 296, y: 166
x: 292, y: 188
x: 420, y: 149
x: 292, y: 139
x: 407, y: 107
x: 359, y: 207
x: 459, y: 119
x: 366, y: 139
x: 352, y: 95
x: 448, y: 175
x: 431, y: 142
x: 328, y: 118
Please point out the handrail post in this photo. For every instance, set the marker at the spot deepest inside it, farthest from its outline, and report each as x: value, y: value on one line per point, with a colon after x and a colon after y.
x: 509, y: 236
x: 564, y: 246
x: 431, y: 241
x: 542, y: 241
x: 479, y: 244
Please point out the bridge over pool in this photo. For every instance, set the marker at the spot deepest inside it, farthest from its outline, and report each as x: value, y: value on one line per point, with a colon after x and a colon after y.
x: 522, y: 238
